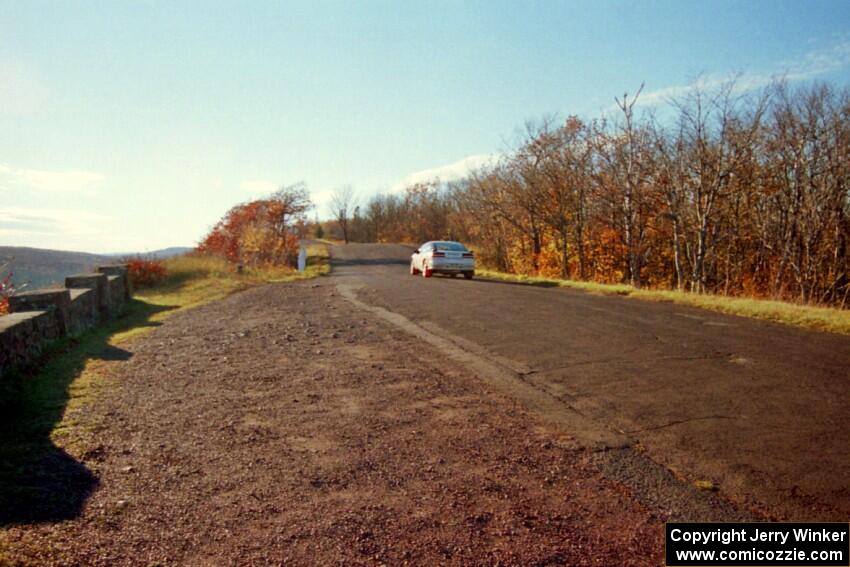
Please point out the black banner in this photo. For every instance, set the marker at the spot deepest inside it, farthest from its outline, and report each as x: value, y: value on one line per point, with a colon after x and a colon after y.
x: 758, y: 544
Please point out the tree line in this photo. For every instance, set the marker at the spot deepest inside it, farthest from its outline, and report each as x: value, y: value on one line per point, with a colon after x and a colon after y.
x: 720, y: 190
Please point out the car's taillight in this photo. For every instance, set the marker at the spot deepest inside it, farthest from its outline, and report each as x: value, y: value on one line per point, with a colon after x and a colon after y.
x: 467, y: 254
x: 439, y: 254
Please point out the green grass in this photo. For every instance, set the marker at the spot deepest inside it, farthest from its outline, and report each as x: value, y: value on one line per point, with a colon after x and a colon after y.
x: 41, y: 477
x: 805, y: 316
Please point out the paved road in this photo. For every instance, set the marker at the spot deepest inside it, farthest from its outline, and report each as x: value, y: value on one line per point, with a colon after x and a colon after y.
x: 761, y: 409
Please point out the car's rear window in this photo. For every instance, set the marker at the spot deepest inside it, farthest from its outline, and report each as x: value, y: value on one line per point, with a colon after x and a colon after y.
x: 453, y: 246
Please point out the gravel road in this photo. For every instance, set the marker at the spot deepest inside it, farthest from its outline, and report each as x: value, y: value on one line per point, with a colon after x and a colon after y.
x: 284, y: 425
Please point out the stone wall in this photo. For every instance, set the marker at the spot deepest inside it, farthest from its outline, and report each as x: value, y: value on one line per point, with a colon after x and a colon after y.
x: 24, y: 335
x: 38, y: 317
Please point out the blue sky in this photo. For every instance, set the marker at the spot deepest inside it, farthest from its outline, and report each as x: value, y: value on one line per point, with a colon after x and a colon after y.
x: 133, y: 126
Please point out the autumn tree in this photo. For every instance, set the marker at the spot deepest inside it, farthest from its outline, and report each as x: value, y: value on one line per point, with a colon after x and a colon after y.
x: 342, y: 205
x: 261, y: 231
x: 564, y: 185
x: 717, y: 132
x: 809, y: 162
x: 624, y: 179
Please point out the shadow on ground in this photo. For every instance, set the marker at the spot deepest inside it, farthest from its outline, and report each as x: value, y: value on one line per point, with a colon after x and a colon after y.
x: 485, y: 279
x: 369, y: 262
x: 40, y: 482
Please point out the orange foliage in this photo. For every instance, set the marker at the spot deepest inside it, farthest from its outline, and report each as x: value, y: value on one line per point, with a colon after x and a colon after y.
x: 606, y: 251
x: 6, y: 289
x: 225, y: 237
x: 262, y: 231
x: 144, y: 273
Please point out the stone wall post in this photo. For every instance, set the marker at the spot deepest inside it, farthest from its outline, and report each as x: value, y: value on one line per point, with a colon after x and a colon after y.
x: 122, y: 270
x: 97, y: 283
x: 55, y: 301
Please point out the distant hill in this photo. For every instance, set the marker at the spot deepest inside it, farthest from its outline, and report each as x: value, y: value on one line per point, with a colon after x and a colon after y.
x: 38, y: 268
x: 156, y: 254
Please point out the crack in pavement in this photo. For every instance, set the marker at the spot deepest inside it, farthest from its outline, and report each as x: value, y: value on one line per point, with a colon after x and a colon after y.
x: 679, y: 422
x: 587, y: 432
x: 620, y: 359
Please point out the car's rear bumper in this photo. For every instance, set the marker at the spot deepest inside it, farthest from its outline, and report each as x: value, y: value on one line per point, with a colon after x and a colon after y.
x: 452, y: 266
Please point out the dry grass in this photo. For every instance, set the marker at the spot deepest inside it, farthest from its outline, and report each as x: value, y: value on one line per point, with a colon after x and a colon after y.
x: 805, y: 316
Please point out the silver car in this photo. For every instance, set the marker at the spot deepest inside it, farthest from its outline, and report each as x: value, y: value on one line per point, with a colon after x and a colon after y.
x: 443, y: 257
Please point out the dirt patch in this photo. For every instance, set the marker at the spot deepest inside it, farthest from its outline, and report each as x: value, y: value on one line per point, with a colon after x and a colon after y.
x: 284, y: 425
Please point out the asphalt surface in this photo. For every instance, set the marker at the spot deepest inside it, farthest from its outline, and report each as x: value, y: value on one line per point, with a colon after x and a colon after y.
x: 759, y: 409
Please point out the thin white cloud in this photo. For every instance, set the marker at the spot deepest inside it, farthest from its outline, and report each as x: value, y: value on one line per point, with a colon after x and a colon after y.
x: 446, y: 173
x: 811, y: 65
x: 50, y: 181
x: 258, y: 187
x: 24, y: 221
x: 820, y: 61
